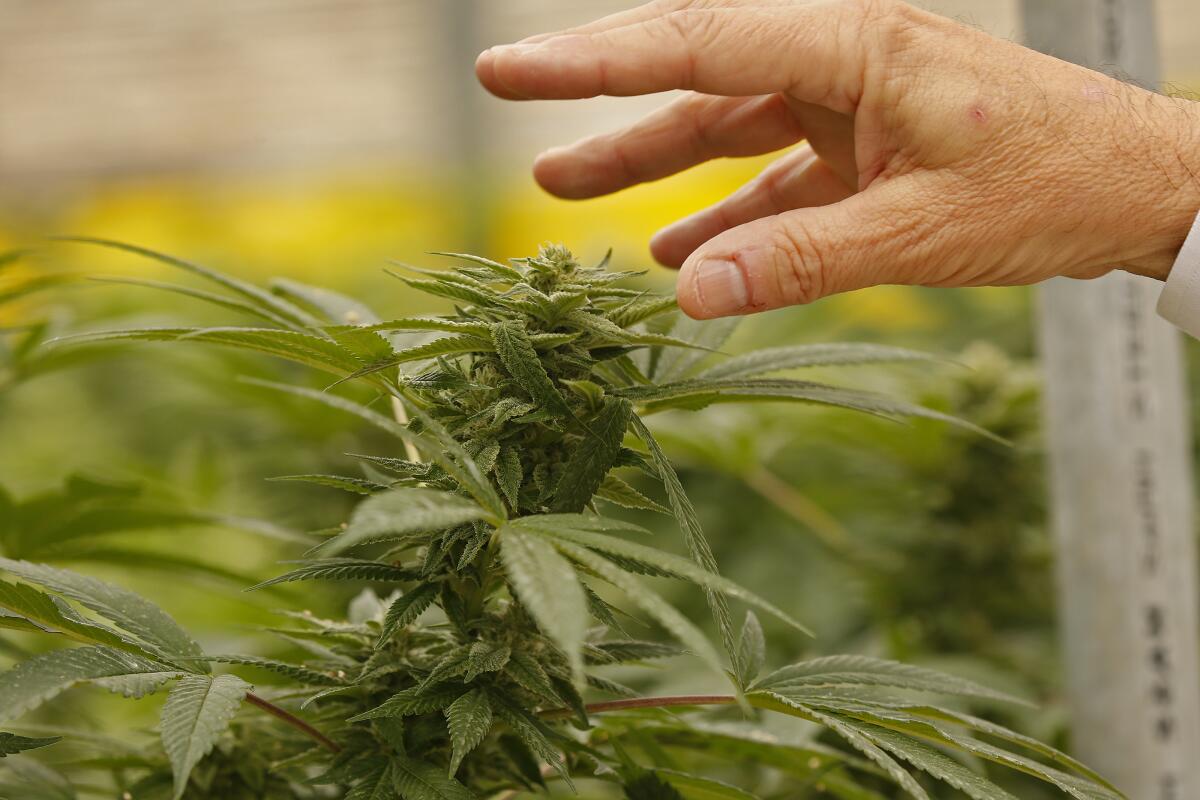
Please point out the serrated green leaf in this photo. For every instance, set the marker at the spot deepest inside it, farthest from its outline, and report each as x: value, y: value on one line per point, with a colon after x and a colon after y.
x: 697, y: 394
x: 653, y: 604
x: 617, y: 491
x: 340, y: 569
x: 469, y: 719
x: 590, y: 392
x: 619, y: 651
x: 121, y: 607
x: 197, y: 712
x: 500, y: 270
x: 11, y: 743
x: 297, y: 346
x: 589, y: 463
x: 485, y: 657
x: 435, y: 442
x: 932, y: 762
x: 397, y: 466
x: 254, y: 294
x: 343, y: 482
x: 448, y: 345
x: 370, y: 347
x: 296, y: 672
x: 534, y: 733
x: 54, y: 614
x: 598, y: 327
x: 649, y: 785
x: 546, y: 584
x: 12, y: 622
x: 549, y: 523
x: 509, y: 473
x: 611, y: 687
x: 843, y: 671
x: 412, y: 701
x: 752, y: 649
x: 689, y: 525
x: 459, y: 464
x: 776, y: 359
x: 926, y: 723
x: 444, y: 324
x: 856, y: 740
x: 519, y: 357
x: 526, y: 671
x: 406, y: 608
x: 417, y: 780
x: 452, y: 291
x: 639, y: 309
x: 668, y: 563
x: 40, y: 678
x: 378, y: 784
x: 404, y: 510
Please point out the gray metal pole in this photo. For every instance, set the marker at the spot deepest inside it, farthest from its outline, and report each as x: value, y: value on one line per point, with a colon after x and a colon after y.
x: 1121, y: 476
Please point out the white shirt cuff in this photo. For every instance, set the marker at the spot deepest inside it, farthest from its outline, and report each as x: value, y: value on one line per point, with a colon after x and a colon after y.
x: 1179, y: 302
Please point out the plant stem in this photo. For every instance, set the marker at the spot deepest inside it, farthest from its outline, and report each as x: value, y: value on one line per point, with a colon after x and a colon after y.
x: 402, y: 417
x: 647, y: 702
x: 800, y: 507
x: 294, y: 721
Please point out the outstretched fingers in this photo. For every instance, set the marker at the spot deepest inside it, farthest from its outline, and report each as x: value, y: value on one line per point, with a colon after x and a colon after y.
x: 798, y: 180
x: 686, y: 132
x: 810, y: 50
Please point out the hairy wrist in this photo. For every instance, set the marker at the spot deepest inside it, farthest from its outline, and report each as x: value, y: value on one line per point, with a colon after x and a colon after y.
x: 1173, y: 152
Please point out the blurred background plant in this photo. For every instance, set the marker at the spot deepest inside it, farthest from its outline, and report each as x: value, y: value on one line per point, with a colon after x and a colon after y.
x: 316, y: 141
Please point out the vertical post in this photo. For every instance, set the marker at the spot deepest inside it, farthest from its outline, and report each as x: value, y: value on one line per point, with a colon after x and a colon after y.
x: 464, y: 125
x: 1121, y: 476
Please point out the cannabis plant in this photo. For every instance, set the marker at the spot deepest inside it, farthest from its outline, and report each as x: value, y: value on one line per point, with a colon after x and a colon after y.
x: 21, y: 334
x: 481, y: 665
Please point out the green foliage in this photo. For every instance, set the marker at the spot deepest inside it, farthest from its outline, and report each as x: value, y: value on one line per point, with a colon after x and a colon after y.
x: 497, y: 574
x: 38, y: 679
x: 11, y: 743
x: 196, y: 713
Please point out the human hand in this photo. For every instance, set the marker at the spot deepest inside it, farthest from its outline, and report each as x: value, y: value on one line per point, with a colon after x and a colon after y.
x: 934, y: 154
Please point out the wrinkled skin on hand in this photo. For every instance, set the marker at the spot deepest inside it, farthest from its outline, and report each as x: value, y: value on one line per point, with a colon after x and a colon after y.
x: 923, y: 152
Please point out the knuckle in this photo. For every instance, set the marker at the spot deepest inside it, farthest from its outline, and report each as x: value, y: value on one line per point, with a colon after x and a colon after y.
x: 690, y: 24
x: 701, y: 118
x: 877, y: 20
x: 633, y: 168
x: 771, y: 184
x: 802, y: 265
x: 872, y: 11
x: 692, y: 29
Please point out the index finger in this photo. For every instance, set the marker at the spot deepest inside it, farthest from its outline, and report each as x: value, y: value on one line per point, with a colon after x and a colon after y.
x: 813, y: 51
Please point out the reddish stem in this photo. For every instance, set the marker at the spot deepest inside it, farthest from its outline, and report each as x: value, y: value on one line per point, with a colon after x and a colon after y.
x: 294, y: 721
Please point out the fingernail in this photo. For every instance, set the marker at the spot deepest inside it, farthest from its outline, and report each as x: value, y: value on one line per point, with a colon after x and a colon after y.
x: 721, y: 287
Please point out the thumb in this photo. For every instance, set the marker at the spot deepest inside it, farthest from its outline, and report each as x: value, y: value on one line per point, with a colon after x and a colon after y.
x: 881, y: 235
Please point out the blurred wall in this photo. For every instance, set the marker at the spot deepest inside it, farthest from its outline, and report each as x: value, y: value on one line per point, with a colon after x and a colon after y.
x: 113, y: 87
x: 297, y: 126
